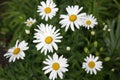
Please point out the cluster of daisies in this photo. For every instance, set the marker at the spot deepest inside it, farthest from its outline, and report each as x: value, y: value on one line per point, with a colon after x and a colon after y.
x: 47, y: 36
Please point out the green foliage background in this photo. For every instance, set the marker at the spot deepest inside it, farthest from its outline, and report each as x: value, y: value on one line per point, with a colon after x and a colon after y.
x: 104, y: 44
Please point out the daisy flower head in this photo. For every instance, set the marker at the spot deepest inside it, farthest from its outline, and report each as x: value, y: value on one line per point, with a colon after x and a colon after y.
x: 73, y: 19
x: 47, y: 36
x: 17, y: 51
x: 47, y: 9
x: 55, y: 66
x: 90, y: 21
x: 92, y: 65
x: 30, y: 22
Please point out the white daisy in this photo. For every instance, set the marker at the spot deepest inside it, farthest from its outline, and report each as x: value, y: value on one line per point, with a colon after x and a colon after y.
x: 92, y: 65
x: 30, y: 22
x: 90, y: 21
x: 17, y: 51
x: 47, y: 36
x: 47, y: 10
x: 73, y: 18
x: 55, y: 66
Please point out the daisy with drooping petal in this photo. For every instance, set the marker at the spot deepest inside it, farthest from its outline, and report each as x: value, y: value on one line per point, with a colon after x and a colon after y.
x: 47, y: 36
x: 17, y: 51
x: 73, y: 19
x: 90, y: 21
x: 92, y: 65
x: 30, y: 22
x: 47, y: 10
x: 55, y: 66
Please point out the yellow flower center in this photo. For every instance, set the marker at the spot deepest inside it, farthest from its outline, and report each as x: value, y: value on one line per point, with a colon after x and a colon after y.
x: 16, y: 51
x: 72, y: 18
x: 56, y: 66
x: 48, y: 39
x: 91, y: 64
x: 47, y: 10
x: 88, y: 22
x: 30, y: 23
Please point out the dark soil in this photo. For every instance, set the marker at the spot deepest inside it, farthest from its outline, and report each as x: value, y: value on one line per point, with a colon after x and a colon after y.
x: 3, y: 60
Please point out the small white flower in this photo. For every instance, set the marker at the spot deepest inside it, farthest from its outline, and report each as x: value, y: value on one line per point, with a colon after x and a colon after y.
x: 55, y: 66
x: 47, y: 10
x: 27, y: 31
x: 47, y: 36
x: 90, y: 21
x: 17, y: 51
x: 68, y: 48
x: 92, y: 65
x: 73, y: 19
x: 30, y: 22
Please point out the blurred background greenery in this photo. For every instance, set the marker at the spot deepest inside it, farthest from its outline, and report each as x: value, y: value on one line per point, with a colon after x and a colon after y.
x: 105, y: 43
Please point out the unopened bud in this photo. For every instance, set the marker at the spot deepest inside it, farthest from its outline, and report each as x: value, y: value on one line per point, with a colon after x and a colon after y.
x: 107, y: 59
x: 95, y: 43
x: 27, y: 31
x: 92, y: 33
x: 68, y: 48
x: 86, y: 50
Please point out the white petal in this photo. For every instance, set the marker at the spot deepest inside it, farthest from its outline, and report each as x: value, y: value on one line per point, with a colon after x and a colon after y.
x: 48, y: 70
x: 60, y: 75
x: 47, y: 67
x: 55, y: 46
x: 72, y: 26
x: 51, y: 76
x: 55, y: 57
